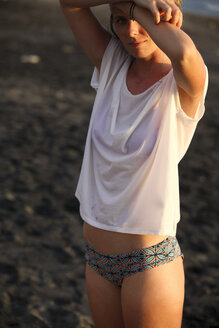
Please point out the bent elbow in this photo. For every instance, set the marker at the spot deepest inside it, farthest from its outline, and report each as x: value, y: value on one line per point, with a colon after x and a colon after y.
x: 186, y: 53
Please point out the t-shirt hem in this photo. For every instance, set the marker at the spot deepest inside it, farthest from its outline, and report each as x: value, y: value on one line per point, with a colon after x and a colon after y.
x: 127, y: 230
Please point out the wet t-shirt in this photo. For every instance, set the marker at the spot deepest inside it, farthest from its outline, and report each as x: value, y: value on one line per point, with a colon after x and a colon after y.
x: 129, y: 176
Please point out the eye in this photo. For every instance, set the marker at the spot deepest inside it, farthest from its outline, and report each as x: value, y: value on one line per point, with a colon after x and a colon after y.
x: 120, y: 20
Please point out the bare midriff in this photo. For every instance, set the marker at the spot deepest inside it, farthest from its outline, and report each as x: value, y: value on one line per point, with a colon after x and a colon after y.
x: 110, y: 242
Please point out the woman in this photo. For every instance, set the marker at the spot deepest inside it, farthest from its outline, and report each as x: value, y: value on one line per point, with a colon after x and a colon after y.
x: 151, y: 84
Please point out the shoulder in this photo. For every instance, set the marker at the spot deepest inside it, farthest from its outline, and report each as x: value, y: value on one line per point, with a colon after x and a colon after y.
x: 112, y: 63
x: 115, y: 53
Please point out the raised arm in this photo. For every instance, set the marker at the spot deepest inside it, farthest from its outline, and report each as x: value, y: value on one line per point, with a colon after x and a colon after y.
x: 89, y: 33
x: 188, y: 65
x: 86, y: 3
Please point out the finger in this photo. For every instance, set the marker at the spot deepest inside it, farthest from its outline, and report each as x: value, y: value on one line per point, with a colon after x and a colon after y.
x: 156, y: 15
x: 155, y: 12
x: 166, y: 12
x: 180, y: 21
x: 175, y: 16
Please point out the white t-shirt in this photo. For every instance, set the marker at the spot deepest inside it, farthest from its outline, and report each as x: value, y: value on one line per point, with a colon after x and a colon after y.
x: 129, y: 176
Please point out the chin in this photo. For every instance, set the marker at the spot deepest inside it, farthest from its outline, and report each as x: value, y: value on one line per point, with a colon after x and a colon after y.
x: 140, y: 54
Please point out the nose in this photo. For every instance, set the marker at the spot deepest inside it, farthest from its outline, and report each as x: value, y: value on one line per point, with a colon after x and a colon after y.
x: 133, y: 28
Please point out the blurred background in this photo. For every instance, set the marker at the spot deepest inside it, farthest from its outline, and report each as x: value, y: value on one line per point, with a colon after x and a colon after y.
x: 45, y: 106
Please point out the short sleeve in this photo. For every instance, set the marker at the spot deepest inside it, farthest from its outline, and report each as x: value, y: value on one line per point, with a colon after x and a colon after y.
x: 113, y: 50
x: 181, y: 115
x: 186, y: 125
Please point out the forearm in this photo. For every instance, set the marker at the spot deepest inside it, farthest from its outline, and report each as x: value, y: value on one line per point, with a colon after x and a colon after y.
x: 87, y: 3
x: 170, y: 39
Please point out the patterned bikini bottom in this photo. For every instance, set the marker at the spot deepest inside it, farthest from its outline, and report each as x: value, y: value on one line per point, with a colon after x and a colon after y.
x: 117, y: 267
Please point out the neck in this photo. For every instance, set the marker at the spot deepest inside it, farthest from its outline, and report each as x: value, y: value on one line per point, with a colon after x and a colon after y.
x: 155, y: 63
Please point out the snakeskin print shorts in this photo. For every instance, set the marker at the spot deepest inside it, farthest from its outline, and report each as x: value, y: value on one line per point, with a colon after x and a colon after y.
x: 116, y: 267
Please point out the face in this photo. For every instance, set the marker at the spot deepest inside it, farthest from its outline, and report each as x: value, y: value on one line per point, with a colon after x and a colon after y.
x: 134, y: 37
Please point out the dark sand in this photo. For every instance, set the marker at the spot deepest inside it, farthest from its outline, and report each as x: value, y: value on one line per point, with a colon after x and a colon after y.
x: 44, y: 114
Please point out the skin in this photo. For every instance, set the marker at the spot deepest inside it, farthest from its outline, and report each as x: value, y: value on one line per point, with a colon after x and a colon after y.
x: 186, y: 61
x: 150, y: 63
x: 154, y: 298
x: 171, y: 12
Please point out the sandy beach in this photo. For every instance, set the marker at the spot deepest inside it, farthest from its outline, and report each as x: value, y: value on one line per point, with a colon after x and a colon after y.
x: 45, y: 106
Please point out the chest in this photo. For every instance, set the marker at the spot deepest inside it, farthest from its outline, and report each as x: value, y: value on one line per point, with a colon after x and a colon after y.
x: 127, y: 122
x: 137, y: 86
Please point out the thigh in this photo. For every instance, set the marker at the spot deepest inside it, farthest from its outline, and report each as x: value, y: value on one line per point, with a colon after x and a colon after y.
x: 154, y: 298
x: 104, y: 300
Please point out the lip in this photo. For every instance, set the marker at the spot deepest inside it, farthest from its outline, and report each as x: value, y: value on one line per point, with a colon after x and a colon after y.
x: 137, y: 44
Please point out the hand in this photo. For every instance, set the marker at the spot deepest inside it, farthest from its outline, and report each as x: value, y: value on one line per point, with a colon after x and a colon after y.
x: 163, y: 10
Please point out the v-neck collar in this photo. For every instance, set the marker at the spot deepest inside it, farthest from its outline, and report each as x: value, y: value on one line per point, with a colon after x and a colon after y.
x: 128, y: 63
